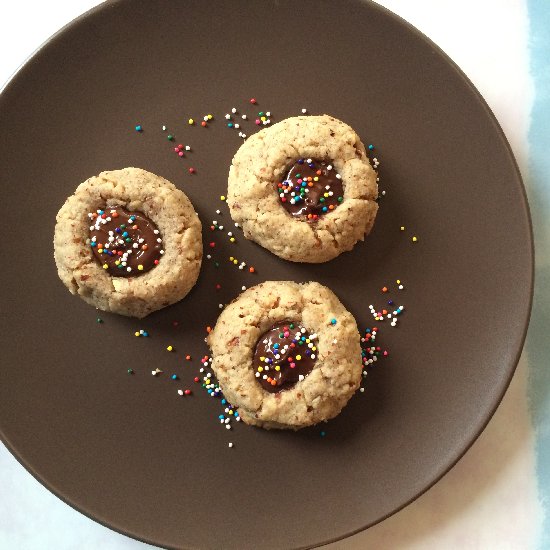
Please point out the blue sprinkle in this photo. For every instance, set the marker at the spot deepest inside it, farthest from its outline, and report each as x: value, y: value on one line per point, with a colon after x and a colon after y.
x: 174, y: 376
x: 276, y: 346
x: 371, y: 147
x: 236, y: 413
x: 312, y: 165
x: 301, y: 161
x: 322, y: 434
x: 93, y: 243
x: 117, y: 229
x: 209, y: 391
x: 145, y: 333
x: 390, y: 302
x: 333, y: 321
x: 224, y: 401
x: 221, y: 417
x: 325, y: 208
x: 230, y: 125
x: 125, y: 234
x: 139, y: 128
x: 101, y: 212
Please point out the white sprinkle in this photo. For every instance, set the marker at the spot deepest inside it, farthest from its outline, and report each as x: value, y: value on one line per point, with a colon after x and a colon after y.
x: 301, y: 377
x: 304, y: 111
x: 221, y: 227
x: 128, y: 269
x: 201, y: 369
x: 338, y: 177
x: 180, y: 392
x: 313, y: 356
x: 208, y: 257
x: 233, y: 110
x: 227, y: 116
x: 229, y: 233
x: 268, y: 114
x: 230, y: 445
x: 244, y: 117
x: 383, y: 193
x: 335, y: 341
x: 164, y: 128
x: 308, y: 161
x: 237, y: 126
x: 228, y: 426
x: 236, y: 224
x: 162, y: 252
x: 218, y: 211
x: 227, y: 420
x: 205, y: 118
x: 156, y: 231
x: 187, y: 148
x: 243, y: 288
x: 362, y: 390
x: 159, y: 240
x: 244, y: 136
x: 220, y: 306
x: 257, y: 375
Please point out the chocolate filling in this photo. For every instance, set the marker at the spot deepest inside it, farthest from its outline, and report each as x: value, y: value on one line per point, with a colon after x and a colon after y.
x: 126, y: 244
x: 311, y: 188
x: 284, y: 355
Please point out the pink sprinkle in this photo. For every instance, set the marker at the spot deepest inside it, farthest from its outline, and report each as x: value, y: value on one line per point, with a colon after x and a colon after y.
x: 191, y: 170
x: 292, y: 365
x: 253, y: 101
x: 258, y: 121
x: 385, y: 353
x: 180, y: 154
x: 176, y: 149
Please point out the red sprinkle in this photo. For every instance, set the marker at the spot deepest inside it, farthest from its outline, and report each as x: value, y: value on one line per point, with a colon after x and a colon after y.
x: 253, y: 101
x: 187, y: 392
x: 196, y: 379
x: 192, y: 170
x: 251, y: 269
x: 203, y: 123
x: 212, y: 245
x: 188, y: 357
x: 218, y: 286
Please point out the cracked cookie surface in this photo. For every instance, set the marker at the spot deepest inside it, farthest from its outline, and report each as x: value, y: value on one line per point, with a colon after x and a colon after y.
x: 135, y: 190
x: 320, y: 395
x: 263, y: 161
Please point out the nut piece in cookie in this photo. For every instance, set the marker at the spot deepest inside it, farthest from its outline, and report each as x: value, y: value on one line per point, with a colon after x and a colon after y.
x: 304, y: 189
x: 287, y: 355
x: 128, y: 242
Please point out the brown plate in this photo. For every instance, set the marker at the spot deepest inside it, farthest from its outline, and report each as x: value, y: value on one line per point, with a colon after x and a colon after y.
x: 127, y: 450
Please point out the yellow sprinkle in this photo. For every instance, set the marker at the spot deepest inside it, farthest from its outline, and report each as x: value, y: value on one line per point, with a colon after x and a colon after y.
x: 169, y: 348
x: 260, y: 369
x: 402, y: 228
x: 313, y: 348
x: 209, y: 117
x: 105, y: 266
x: 232, y: 239
x: 230, y: 412
x: 207, y: 381
x: 414, y: 239
x: 316, y: 178
x: 231, y: 258
x: 191, y: 121
x: 277, y: 368
x: 262, y: 358
x: 140, y: 267
x: 100, y: 250
x: 235, y: 262
x: 308, y: 340
x: 263, y: 118
x: 136, y: 333
x: 298, y: 357
x: 398, y: 282
x: 222, y: 198
x: 325, y: 195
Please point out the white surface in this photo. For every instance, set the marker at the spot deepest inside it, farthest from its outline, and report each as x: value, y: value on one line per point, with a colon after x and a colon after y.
x: 489, y: 499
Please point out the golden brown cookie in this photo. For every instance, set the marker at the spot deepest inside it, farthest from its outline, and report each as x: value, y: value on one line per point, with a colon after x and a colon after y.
x: 129, y: 242
x: 304, y: 188
x: 261, y: 340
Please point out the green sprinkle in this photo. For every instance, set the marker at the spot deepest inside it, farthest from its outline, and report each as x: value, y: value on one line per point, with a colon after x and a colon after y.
x: 340, y: 199
x: 130, y: 371
x: 170, y: 137
x: 99, y: 320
